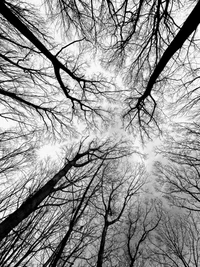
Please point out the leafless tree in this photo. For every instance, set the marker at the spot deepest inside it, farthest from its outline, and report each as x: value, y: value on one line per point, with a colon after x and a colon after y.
x: 144, y: 38
x: 119, y: 184
x: 142, y: 220
x: 78, y: 160
x: 176, y: 242
x: 82, y: 209
x: 49, y: 220
x: 178, y: 172
x: 59, y: 87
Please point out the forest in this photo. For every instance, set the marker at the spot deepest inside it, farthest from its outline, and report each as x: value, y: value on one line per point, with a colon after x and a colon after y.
x: 86, y: 86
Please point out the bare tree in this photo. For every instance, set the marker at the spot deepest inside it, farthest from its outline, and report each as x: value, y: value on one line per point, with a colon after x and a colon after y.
x: 176, y: 242
x: 144, y: 38
x: 179, y: 173
x: 80, y: 159
x: 140, y: 224
x: 82, y: 194
x: 118, y: 185
x: 83, y: 209
x: 51, y: 221
x: 16, y: 151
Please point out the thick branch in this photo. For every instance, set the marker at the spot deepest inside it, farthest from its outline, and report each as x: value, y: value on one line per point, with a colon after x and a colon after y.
x: 188, y: 27
x: 102, y: 245
x: 23, y: 101
x: 23, y: 29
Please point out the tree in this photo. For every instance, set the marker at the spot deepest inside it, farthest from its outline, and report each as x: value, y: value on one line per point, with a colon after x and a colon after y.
x: 179, y: 175
x: 80, y: 159
x: 118, y: 185
x: 53, y: 221
x: 144, y: 38
x: 81, y: 93
x: 82, y: 208
x: 16, y: 150
x: 176, y: 242
x: 36, y: 74
x: 140, y: 225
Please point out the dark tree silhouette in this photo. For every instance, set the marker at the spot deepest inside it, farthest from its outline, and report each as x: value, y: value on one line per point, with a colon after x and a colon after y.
x: 80, y: 159
x: 178, y: 175
x: 142, y: 220
x: 88, y: 207
x: 176, y: 241
x: 116, y: 192
x: 56, y: 224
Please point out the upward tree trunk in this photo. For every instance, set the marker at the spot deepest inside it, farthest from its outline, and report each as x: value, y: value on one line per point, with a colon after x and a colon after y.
x: 57, y: 255
x: 102, y: 245
x: 31, y: 203
x: 53, y: 261
x: 188, y: 27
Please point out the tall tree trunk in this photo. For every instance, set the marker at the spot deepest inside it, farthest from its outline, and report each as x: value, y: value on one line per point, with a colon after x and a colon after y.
x: 31, y: 203
x: 78, y: 213
x: 102, y: 245
x: 188, y: 27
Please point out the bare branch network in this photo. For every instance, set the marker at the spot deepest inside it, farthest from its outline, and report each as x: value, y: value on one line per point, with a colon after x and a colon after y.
x: 93, y: 200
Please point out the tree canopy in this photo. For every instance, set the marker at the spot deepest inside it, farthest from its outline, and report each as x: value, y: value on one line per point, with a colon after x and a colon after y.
x: 97, y: 80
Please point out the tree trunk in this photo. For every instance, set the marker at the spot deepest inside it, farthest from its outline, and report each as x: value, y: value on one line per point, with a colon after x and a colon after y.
x: 31, y: 203
x: 188, y: 27
x: 102, y: 245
